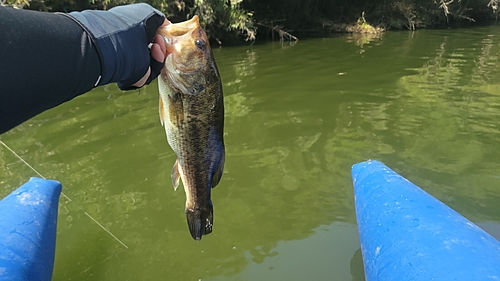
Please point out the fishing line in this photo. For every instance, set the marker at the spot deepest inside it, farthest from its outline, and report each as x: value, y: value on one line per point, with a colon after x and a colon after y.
x: 65, y: 196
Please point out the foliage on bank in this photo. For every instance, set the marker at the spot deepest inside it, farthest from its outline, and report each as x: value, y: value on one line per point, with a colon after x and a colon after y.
x: 240, y: 19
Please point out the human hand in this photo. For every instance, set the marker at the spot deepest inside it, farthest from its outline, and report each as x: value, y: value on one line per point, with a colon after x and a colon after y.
x: 157, y: 50
x: 122, y: 36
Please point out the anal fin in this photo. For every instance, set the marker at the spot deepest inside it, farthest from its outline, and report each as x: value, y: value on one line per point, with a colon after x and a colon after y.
x: 219, y: 170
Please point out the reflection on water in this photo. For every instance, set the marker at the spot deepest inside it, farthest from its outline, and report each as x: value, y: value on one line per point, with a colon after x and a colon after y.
x: 315, y: 257
x: 426, y: 103
x: 362, y: 39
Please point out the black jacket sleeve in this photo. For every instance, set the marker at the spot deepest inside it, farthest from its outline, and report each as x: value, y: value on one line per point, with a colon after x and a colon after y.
x: 47, y: 59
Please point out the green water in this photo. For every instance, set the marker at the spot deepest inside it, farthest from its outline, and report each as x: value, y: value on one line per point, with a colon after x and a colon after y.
x: 298, y: 117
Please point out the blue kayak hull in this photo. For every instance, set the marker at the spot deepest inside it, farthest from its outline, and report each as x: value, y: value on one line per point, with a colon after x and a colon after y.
x: 407, y: 234
x: 28, y: 225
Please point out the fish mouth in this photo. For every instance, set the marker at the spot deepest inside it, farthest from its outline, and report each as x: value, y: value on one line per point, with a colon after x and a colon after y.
x: 176, y: 33
x: 180, y: 28
x: 200, y: 221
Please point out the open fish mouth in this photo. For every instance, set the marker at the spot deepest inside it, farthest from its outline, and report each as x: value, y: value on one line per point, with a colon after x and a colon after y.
x: 181, y: 28
x: 177, y: 32
x: 182, y: 36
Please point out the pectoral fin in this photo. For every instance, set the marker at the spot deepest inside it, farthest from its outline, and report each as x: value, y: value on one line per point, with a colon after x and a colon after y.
x: 161, y: 109
x: 175, y: 174
x: 218, y: 172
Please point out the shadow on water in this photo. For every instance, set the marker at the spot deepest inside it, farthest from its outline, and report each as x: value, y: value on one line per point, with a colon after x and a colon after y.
x: 297, y: 118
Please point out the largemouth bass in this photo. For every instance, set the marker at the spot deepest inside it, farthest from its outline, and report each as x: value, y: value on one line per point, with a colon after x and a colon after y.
x: 192, y: 112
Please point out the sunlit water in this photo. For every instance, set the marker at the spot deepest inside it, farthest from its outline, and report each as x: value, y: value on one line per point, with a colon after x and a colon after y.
x: 298, y: 117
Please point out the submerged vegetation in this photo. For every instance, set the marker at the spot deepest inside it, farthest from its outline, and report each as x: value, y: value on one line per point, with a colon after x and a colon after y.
x: 231, y: 20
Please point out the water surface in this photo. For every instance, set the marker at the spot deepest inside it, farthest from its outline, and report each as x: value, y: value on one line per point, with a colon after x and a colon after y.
x: 298, y: 117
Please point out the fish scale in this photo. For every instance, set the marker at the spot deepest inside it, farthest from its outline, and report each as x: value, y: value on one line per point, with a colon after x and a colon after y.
x: 192, y: 112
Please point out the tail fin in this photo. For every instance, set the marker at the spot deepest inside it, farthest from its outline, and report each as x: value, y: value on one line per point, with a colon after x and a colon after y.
x: 200, y: 221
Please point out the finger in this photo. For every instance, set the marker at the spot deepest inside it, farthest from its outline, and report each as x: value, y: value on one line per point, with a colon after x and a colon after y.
x: 143, y: 80
x: 152, y: 23
x: 166, y: 22
x: 156, y: 67
x: 157, y: 53
x: 158, y: 49
x: 160, y: 41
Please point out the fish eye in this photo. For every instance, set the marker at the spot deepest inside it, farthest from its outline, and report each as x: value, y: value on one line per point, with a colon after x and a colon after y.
x: 200, y: 44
